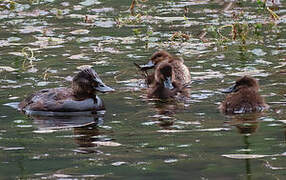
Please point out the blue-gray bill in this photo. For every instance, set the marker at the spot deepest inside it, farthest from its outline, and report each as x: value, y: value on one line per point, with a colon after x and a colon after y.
x: 168, y: 83
x: 230, y: 89
x: 101, y: 87
x: 147, y: 66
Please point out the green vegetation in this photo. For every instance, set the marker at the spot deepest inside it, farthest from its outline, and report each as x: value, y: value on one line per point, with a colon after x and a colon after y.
x: 241, y: 30
x: 29, y: 58
x: 7, y: 4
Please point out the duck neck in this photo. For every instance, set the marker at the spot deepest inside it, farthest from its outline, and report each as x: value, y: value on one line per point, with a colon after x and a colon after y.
x: 81, y: 94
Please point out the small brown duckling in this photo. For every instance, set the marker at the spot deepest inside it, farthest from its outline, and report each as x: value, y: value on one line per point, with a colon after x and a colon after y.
x: 164, y: 86
x: 181, y: 72
x: 244, y: 97
x: 80, y: 97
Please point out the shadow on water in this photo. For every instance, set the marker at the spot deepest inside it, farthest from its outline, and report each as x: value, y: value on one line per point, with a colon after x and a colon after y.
x: 65, y: 120
x: 166, y: 110
x: 247, y: 125
x: 84, y: 124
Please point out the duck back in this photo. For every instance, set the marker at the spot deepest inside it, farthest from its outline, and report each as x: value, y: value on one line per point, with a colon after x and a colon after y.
x: 181, y: 72
x: 244, y: 101
x: 59, y: 100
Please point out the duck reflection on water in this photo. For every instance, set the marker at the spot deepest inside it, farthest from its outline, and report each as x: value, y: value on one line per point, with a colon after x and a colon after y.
x: 86, y: 129
x: 165, y: 112
x: 247, y: 125
x: 66, y: 120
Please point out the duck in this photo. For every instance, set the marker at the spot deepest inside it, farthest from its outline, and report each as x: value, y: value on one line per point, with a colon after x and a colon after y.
x: 79, y: 97
x: 181, y: 71
x: 164, y: 85
x: 243, y: 97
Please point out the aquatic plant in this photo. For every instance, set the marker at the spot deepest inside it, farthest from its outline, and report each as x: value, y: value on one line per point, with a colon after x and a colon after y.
x: 133, y: 17
x: 28, y: 54
x: 242, y: 30
x: 7, y: 4
x: 127, y: 20
x: 180, y: 36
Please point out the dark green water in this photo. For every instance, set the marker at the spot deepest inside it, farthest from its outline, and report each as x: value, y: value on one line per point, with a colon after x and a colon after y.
x: 139, y: 138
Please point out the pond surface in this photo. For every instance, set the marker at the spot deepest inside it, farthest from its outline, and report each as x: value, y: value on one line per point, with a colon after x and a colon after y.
x: 42, y: 43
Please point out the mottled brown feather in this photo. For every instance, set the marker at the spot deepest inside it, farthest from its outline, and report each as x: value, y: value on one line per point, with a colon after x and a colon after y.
x: 245, y: 99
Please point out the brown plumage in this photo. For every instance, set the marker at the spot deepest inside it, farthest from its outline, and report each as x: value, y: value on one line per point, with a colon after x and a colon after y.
x: 181, y: 72
x: 244, y: 97
x: 164, y: 85
x: 80, y: 97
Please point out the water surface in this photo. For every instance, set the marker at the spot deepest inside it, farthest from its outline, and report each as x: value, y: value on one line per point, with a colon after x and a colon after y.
x: 139, y: 138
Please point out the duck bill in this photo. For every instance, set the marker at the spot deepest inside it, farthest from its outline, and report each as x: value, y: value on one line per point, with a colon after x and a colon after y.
x: 147, y: 66
x: 101, y: 87
x: 168, y: 83
x: 230, y: 89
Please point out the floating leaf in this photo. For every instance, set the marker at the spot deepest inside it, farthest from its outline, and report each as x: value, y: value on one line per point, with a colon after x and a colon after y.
x: 245, y: 156
x: 80, y: 31
x: 89, y: 2
x: 214, y: 129
x: 107, y: 143
x: 258, y: 52
x: 268, y: 165
x: 172, y: 131
x: 171, y: 160
x: 16, y: 53
x: 47, y: 41
x: 7, y: 68
x: 13, y: 148
x: 30, y: 29
x: 78, y: 56
x: 283, y: 121
x: 101, y: 62
x: 62, y: 175
x: 118, y: 163
x: 207, y: 75
x: 250, y: 72
x: 83, y: 67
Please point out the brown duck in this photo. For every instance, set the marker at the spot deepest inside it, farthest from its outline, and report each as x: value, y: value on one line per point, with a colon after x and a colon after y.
x: 180, y: 70
x: 80, y: 97
x: 243, y: 97
x: 164, y: 85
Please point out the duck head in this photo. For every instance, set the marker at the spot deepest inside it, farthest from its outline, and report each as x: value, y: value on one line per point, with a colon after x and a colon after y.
x: 156, y: 58
x: 88, y: 82
x: 244, y: 82
x: 163, y: 75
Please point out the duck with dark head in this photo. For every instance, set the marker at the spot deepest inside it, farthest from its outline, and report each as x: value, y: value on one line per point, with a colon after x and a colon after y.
x: 181, y: 72
x: 164, y: 85
x: 80, y: 97
x: 243, y: 97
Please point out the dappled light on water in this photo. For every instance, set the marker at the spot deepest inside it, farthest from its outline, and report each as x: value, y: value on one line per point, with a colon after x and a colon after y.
x: 44, y: 43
